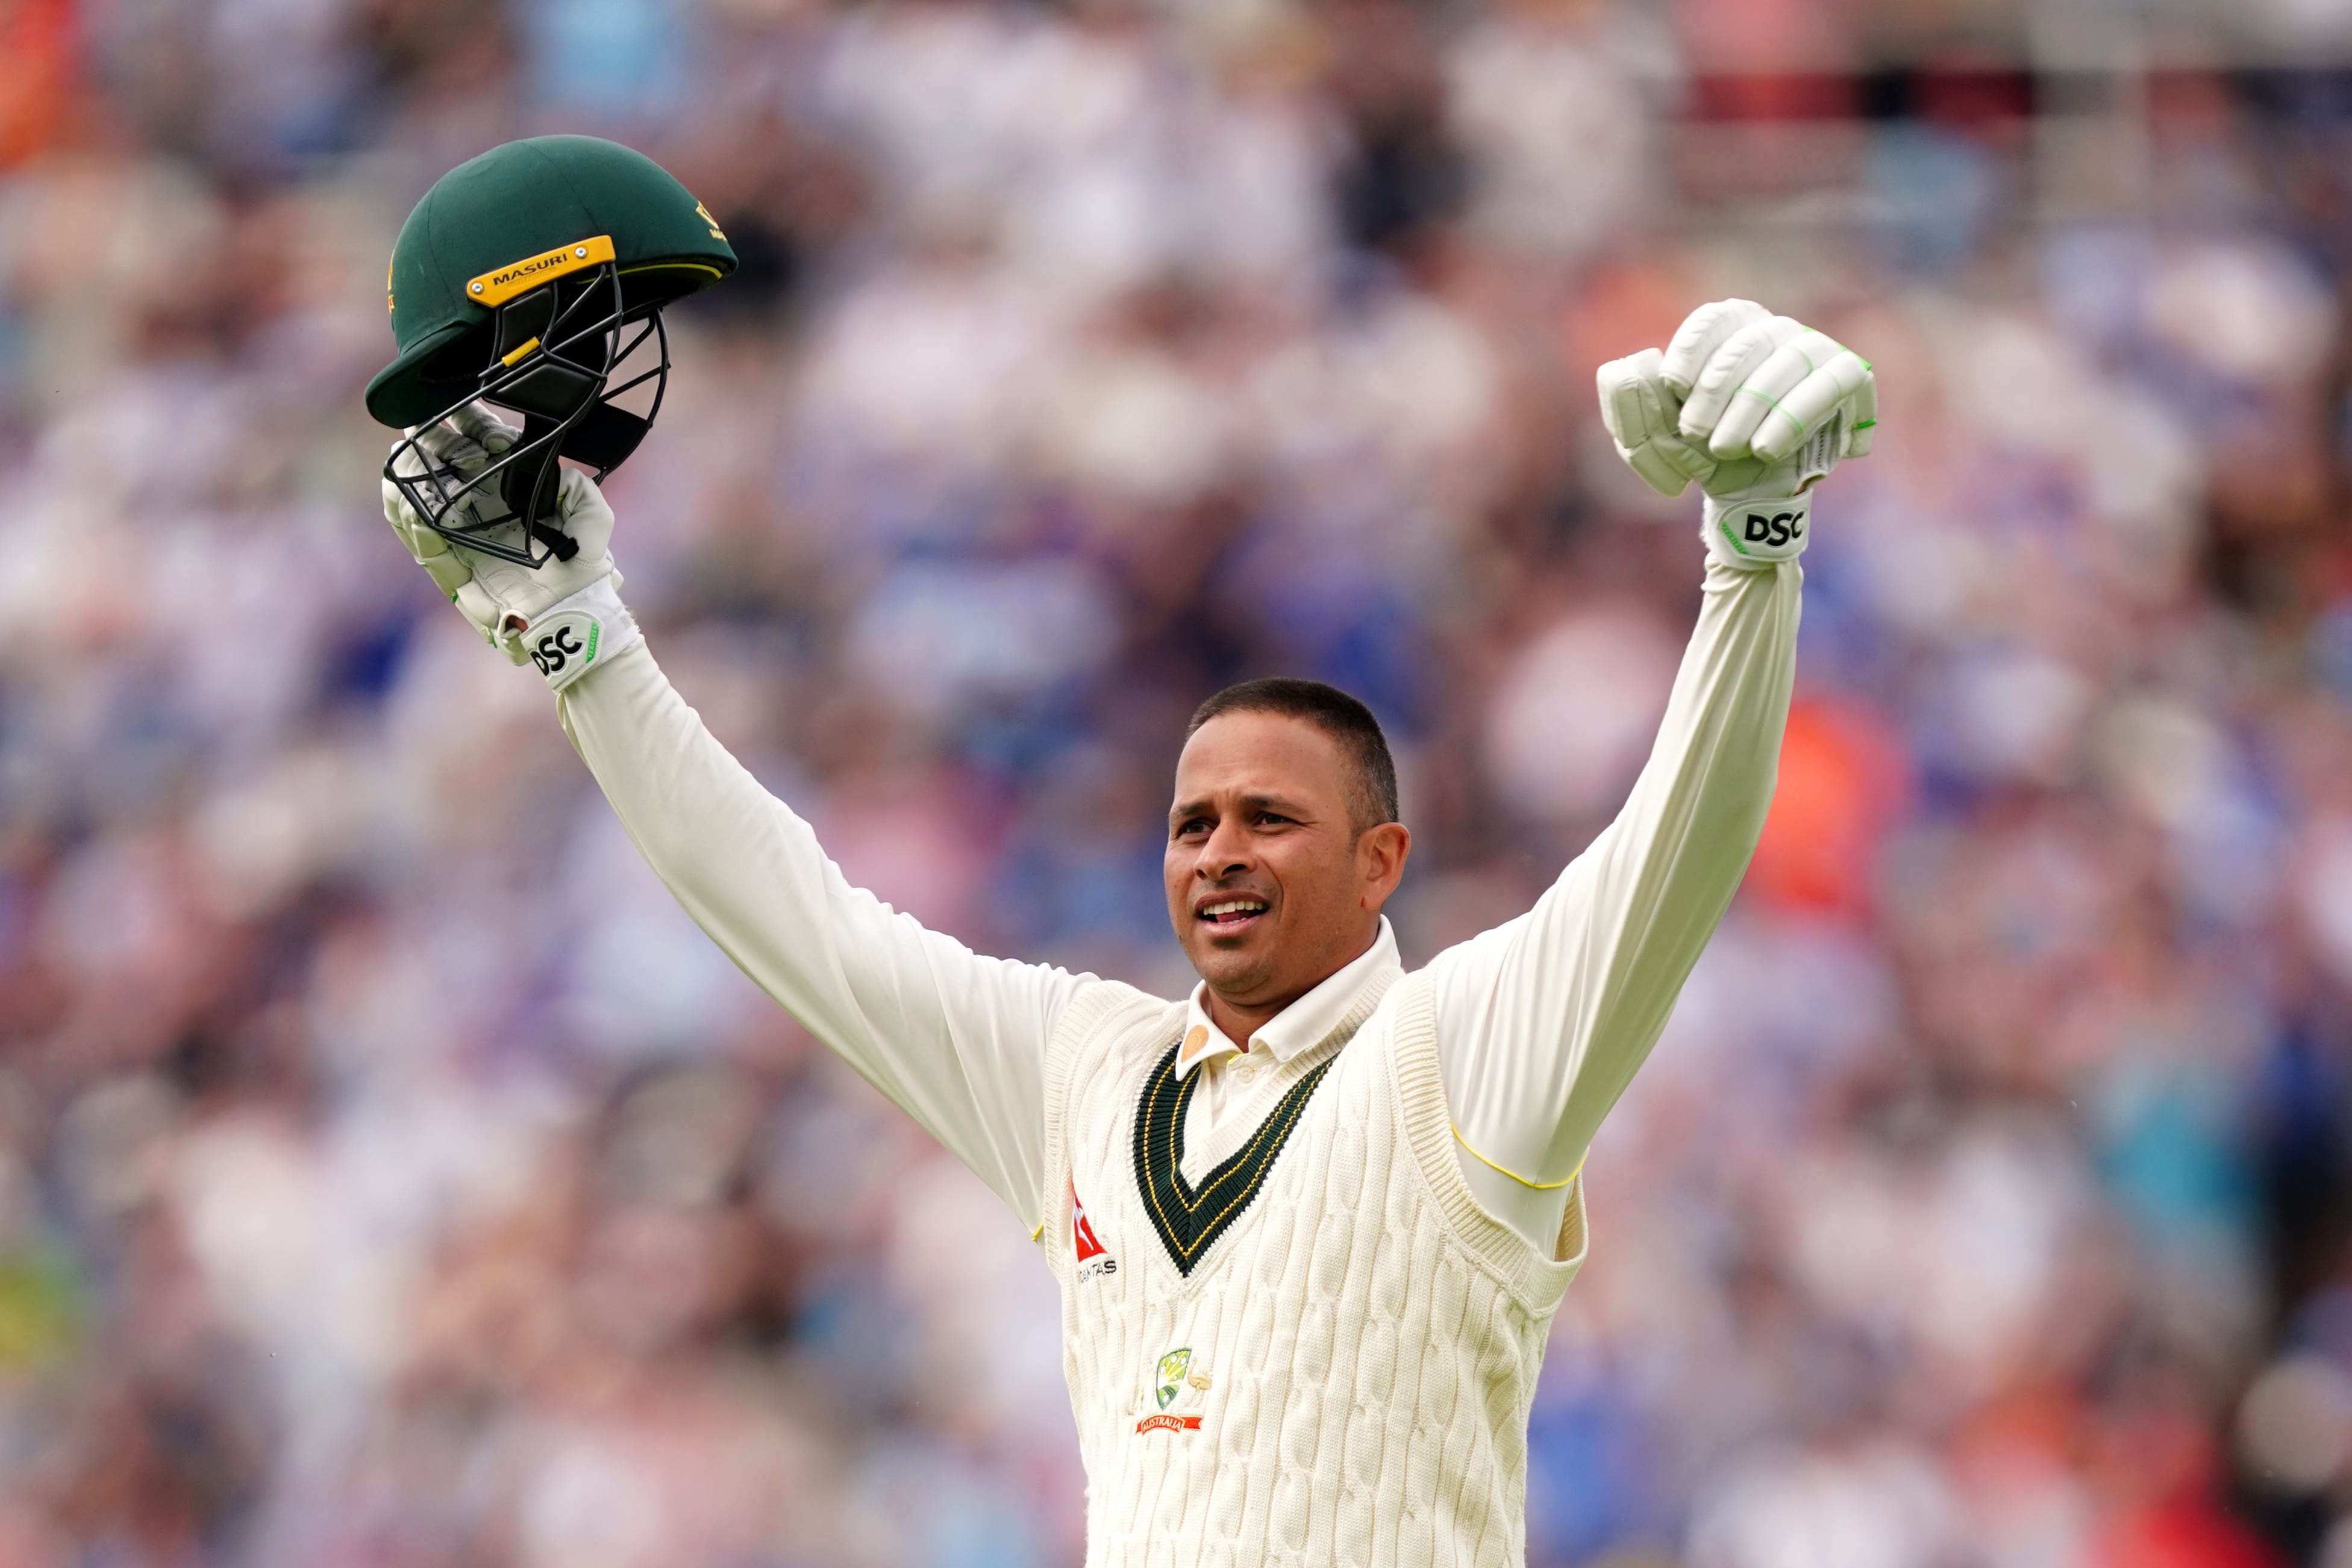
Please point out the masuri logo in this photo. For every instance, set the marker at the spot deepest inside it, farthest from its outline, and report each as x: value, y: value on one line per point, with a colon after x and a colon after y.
x: 499, y: 285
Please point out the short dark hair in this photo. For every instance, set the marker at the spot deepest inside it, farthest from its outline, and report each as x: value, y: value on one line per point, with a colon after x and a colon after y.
x: 1337, y: 714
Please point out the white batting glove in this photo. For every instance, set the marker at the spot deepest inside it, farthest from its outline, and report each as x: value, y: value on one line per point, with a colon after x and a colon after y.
x: 1643, y: 417
x: 1757, y: 408
x: 1753, y: 384
x: 564, y: 616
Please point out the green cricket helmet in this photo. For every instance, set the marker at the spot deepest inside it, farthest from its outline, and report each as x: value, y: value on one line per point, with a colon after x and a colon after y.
x: 528, y: 278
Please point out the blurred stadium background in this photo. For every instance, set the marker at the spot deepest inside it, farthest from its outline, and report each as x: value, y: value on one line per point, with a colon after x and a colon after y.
x: 390, y: 1177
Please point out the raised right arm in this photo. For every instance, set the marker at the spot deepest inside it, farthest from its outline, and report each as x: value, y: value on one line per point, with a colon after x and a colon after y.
x: 955, y: 1039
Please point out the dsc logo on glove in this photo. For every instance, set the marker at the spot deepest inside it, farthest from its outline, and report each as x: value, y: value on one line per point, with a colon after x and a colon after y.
x: 555, y: 649
x: 1775, y: 530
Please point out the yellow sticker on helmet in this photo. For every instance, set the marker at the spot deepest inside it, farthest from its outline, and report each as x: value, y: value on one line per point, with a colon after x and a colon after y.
x: 501, y: 284
x: 704, y: 213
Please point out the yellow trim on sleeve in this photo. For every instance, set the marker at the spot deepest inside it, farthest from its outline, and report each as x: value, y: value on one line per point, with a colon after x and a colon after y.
x: 1536, y: 1185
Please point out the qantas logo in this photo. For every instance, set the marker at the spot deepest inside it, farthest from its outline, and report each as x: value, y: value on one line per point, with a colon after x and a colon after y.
x: 1085, y: 1250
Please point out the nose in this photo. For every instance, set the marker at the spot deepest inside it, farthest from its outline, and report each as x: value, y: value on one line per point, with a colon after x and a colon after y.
x: 1225, y: 852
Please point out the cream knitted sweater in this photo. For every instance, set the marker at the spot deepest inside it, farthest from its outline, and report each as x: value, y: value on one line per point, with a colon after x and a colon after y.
x: 1325, y: 1352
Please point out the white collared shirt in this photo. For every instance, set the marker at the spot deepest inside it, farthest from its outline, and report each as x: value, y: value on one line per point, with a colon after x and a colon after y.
x: 1541, y: 1021
x: 1229, y: 1072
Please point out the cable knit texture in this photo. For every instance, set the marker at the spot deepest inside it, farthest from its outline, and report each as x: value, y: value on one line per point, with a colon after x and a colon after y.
x: 1344, y: 1377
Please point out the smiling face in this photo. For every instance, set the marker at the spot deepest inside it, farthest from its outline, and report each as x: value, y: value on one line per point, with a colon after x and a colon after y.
x: 1274, y: 880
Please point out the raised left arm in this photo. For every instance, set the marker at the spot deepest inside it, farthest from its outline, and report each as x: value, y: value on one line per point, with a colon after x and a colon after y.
x: 1543, y: 1020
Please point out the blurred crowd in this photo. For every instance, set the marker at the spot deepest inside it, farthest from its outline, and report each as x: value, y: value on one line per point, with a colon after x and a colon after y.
x: 391, y: 1177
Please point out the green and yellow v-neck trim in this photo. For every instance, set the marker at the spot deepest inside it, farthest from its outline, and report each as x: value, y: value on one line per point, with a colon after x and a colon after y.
x: 1189, y: 1218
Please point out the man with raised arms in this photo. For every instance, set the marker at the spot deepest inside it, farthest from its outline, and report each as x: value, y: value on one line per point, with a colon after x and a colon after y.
x: 1311, y: 1221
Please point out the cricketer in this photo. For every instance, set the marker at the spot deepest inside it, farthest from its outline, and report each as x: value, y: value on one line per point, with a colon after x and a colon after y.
x: 1311, y: 1221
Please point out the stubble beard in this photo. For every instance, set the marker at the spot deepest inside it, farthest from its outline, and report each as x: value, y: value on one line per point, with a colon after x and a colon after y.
x: 1230, y: 972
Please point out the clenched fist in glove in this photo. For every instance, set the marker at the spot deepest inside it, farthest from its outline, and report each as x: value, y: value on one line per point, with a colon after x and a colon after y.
x: 1756, y: 407
x: 565, y: 615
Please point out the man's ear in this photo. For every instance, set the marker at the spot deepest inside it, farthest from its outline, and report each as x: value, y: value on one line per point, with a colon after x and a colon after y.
x: 1380, y: 852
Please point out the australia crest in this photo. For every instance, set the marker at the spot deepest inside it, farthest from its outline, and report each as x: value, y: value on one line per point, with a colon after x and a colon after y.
x: 1179, y: 1389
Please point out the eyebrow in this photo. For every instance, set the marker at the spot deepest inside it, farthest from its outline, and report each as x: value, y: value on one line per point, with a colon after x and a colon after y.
x: 1282, y: 803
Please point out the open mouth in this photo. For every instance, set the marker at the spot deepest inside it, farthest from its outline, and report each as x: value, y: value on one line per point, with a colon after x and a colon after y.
x: 1230, y: 913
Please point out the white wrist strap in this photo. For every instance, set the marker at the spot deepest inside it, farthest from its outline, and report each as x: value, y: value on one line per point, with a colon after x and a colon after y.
x: 574, y: 635
x: 1753, y: 534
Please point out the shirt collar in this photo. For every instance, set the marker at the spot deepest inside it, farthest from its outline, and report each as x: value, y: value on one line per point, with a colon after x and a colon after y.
x: 1298, y: 1026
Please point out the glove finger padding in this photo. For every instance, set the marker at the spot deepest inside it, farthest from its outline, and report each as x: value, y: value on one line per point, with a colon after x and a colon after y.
x: 1668, y: 464
x: 451, y: 569
x: 446, y: 445
x: 1633, y: 401
x: 1863, y: 415
x: 448, y: 569
x: 479, y: 423
x: 523, y: 595
x: 587, y: 516
x: 1757, y: 396
x: 483, y: 613
x: 1741, y: 355
x: 1638, y: 411
x: 1828, y: 375
x: 461, y: 445
x: 1703, y: 331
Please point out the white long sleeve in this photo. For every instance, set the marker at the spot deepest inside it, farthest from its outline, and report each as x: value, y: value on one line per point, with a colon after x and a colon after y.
x: 1543, y: 1020
x: 955, y: 1039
